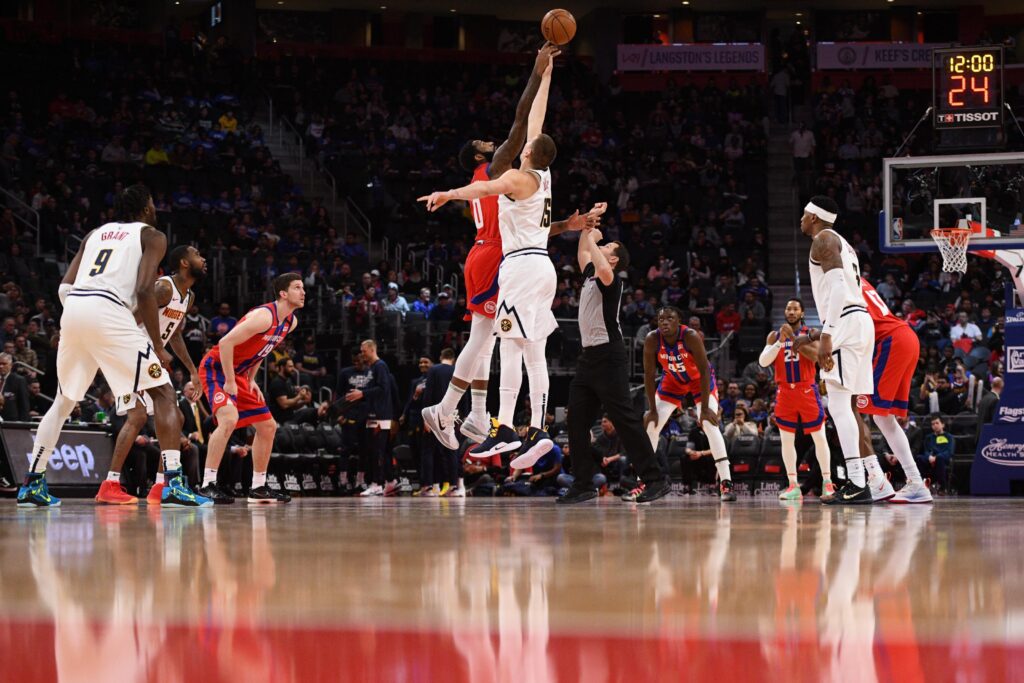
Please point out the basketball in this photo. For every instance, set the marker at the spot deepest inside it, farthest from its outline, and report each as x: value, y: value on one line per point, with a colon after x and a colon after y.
x: 558, y: 26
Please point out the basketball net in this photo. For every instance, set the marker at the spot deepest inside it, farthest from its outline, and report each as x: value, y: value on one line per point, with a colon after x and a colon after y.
x: 953, y: 247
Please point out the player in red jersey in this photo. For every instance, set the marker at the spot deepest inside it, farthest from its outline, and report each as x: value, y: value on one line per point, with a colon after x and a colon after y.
x: 798, y: 404
x: 228, y: 373
x: 679, y: 350
x: 472, y: 368
x: 897, y: 349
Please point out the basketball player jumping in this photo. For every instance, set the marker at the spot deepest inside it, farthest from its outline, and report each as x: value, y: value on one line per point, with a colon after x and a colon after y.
x: 173, y: 297
x: 846, y: 338
x: 526, y: 284
x: 798, y: 405
x: 687, y: 375
x: 114, y: 271
x: 228, y: 376
x: 481, y: 270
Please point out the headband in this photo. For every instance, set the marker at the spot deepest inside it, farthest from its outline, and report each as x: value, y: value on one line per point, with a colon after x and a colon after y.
x: 821, y: 213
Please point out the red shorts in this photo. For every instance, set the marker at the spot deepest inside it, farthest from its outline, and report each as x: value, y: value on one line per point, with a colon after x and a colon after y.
x: 799, y: 408
x: 675, y: 392
x: 251, y: 406
x: 481, y: 275
x: 895, y: 361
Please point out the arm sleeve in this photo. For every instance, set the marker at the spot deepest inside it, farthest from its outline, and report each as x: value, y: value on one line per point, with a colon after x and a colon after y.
x: 835, y: 283
x: 769, y: 354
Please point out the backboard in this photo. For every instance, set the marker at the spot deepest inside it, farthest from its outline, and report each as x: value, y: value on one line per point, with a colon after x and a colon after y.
x: 923, y: 193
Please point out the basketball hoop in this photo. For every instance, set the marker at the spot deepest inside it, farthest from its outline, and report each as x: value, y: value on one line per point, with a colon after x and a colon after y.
x: 953, y: 246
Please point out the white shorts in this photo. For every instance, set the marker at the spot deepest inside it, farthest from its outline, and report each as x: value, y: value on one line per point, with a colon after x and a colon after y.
x: 852, y: 347
x: 97, y: 332
x: 124, y: 403
x: 526, y: 291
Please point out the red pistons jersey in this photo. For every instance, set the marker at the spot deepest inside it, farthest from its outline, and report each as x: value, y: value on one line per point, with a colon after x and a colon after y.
x: 886, y: 324
x: 485, y: 211
x: 676, y: 360
x: 257, y: 347
x: 791, y: 368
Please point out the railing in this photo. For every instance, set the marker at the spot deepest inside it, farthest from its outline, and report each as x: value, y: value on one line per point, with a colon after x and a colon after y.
x: 19, y: 207
x: 285, y: 123
x: 36, y: 370
x: 71, y: 247
x: 362, y: 220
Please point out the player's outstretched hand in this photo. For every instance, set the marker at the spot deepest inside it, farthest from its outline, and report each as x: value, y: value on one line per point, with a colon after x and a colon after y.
x: 435, y: 200
x: 546, y: 58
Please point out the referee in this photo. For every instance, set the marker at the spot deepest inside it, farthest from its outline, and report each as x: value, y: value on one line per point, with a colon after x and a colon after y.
x: 602, y: 376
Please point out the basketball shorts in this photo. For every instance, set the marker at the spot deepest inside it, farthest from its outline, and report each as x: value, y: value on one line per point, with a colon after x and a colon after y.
x: 481, y: 275
x: 98, y: 332
x: 895, y: 360
x: 851, y: 351
x: 251, y: 406
x: 676, y: 392
x: 126, y: 402
x: 799, y: 408
x: 526, y: 291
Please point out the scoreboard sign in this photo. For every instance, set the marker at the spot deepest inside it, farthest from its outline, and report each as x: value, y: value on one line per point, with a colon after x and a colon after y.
x: 967, y: 87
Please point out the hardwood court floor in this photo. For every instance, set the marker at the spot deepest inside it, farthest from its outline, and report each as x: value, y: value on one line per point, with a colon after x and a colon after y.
x: 513, y: 590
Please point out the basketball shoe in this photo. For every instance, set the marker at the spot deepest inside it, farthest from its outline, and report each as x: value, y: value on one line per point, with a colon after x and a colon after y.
x: 177, y: 493
x: 441, y: 426
x: 726, y: 491
x: 155, y: 494
x: 536, y: 446
x: 913, y: 493
x: 500, y: 439
x: 113, y: 493
x: 473, y: 429
x: 35, y: 494
x: 792, y: 492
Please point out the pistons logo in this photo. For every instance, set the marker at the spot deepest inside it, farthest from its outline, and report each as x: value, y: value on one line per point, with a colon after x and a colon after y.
x: 506, y: 324
x: 219, y: 397
x: 155, y: 370
x: 862, y: 402
x: 490, y: 307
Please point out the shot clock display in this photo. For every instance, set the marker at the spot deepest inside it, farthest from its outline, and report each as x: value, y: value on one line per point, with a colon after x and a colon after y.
x: 968, y: 87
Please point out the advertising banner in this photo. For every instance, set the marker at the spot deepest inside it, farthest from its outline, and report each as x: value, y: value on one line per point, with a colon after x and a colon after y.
x: 692, y: 57
x: 876, y: 55
x: 81, y: 458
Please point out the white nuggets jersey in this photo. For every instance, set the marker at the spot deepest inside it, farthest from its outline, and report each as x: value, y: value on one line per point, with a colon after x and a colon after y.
x: 852, y: 297
x: 172, y: 315
x: 110, y: 262
x: 525, y: 223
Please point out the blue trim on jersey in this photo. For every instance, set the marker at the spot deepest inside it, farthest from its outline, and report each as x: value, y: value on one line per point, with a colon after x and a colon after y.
x: 102, y: 295
x: 255, y: 411
x: 881, y: 358
x: 488, y: 293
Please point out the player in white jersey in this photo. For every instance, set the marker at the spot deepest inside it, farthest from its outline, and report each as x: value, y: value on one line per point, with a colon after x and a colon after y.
x: 526, y: 283
x: 174, y: 296
x: 846, y: 339
x: 112, y: 274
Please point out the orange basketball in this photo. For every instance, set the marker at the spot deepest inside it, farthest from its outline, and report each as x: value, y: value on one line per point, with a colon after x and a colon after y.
x: 558, y: 26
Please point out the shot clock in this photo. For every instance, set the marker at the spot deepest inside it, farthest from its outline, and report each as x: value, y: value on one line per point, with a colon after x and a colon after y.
x: 967, y: 87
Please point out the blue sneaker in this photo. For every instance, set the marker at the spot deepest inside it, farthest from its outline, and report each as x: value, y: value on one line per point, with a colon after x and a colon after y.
x: 177, y: 494
x: 913, y: 493
x: 35, y: 494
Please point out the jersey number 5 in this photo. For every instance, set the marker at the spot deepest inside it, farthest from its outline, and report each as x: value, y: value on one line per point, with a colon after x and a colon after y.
x: 167, y: 332
x: 101, y: 262
x: 545, y: 220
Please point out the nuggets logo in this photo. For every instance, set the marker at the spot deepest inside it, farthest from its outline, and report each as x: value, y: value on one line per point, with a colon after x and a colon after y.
x: 862, y: 402
x: 218, y: 397
x: 126, y: 398
x: 154, y: 370
x: 490, y: 308
x: 506, y: 324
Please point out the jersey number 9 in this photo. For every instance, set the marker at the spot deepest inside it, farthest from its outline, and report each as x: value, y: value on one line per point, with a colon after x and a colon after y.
x: 101, y: 262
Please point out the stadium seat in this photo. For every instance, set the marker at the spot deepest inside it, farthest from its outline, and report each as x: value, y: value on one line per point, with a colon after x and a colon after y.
x: 314, y: 438
x: 331, y: 435
x: 298, y: 438
x: 743, y: 456
x: 771, y: 446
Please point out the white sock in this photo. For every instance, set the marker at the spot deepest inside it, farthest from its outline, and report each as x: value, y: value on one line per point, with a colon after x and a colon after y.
x: 900, y: 445
x: 789, y: 454
x: 450, y: 403
x: 540, y: 383
x: 874, y: 470
x: 717, y: 443
x: 259, y: 479
x: 159, y: 478
x: 343, y: 478
x: 49, y: 431
x: 172, y: 460
x: 821, y: 452
x: 479, y: 398
x: 855, y: 471
x: 511, y: 379
x: 722, y: 467
x: 114, y: 476
x: 461, y: 483
x: 209, y: 476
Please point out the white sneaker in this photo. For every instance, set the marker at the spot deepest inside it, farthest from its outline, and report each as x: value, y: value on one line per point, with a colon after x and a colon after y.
x: 881, y: 489
x: 391, y: 488
x: 458, y: 492
x: 373, y: 490
x: 913, y: 493
x: 442, y: 427
x: 475, y: 430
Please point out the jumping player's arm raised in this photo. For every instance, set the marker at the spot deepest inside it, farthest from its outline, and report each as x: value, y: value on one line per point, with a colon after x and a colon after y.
x: 255, y: 322
x: 539, y: 108
x: 588, y: 252
x: 154, y: 246
x: 695, y: 345
x: 513, y: 145
x: 826, y: 250
x: 513, y: 183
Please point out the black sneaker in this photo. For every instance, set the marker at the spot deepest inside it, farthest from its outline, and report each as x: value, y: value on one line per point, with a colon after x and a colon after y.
x: 537, y: 444
x: 851, y: 494
x: 262, y: 494
x: 576, y: 495
x: 501, y: 439
x: 655, y: 491
x: 282, y: 496
x: 215, y: 493
x: 726, y: 491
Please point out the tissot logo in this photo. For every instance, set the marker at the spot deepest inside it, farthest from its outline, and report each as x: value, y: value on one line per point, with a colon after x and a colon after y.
x: 969, y: 117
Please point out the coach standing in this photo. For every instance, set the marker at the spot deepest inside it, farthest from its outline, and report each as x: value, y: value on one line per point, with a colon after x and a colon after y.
x: 601, y: 382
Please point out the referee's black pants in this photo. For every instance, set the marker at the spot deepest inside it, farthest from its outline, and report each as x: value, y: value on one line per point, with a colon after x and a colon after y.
x: 601, y: 384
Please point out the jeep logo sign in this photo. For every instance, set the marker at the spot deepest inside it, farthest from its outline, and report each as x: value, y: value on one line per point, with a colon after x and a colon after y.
x: 73, y: 458
x: 81, y: 458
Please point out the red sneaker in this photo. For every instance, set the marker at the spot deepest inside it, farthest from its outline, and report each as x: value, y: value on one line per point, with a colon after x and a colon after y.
x: 112, y: 493
x: 155, y: 494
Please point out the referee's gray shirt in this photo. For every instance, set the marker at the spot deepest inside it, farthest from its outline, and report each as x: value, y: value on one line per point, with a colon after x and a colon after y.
x: 599, y: 309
